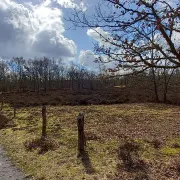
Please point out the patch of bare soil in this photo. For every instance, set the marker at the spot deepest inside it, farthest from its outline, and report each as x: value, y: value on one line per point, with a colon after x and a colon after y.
x: 8, y: 171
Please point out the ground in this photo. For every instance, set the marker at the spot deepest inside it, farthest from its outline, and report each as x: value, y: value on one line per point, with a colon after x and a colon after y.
x: 125, y: 141
x: 7, y: 170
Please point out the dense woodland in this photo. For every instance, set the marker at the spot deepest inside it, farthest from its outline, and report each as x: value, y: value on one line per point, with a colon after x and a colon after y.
x: 45, y: 75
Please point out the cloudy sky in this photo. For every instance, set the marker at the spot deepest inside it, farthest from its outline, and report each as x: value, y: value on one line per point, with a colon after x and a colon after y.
x: 36, y: 28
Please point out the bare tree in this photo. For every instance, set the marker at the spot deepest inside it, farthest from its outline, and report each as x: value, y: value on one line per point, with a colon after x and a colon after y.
x: 125, y: 29
x: 3, y: 73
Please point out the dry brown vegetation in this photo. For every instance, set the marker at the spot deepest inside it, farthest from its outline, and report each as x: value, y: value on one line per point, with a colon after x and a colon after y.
x: 125, y: 141
x: 129, y: 94
x: 67, y: 97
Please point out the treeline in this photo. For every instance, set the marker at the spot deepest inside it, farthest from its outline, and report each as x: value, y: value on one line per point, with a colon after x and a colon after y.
x: 45, y: 74
x: 42, y: 75
x: 159, y: 84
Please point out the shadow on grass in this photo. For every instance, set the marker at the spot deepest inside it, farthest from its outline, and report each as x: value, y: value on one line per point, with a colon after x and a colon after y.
x: 133, y: 165
x: 87, y: 162
x: 43, y: 145
x: 5, y: 122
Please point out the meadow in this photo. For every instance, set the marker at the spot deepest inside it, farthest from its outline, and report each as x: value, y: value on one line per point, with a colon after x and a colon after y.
x: 125, y: 141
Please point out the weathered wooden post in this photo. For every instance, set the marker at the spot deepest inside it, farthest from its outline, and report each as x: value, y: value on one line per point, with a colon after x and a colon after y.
x: 44, y: 123
x: 81, y: 135
x: 14, y: 105
x: 2, y: 103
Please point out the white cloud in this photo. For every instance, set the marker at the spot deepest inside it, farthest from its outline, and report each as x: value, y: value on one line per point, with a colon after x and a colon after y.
x: 87, y: 58
x: 172, y: 3
x: 176, y: 36
x: 71, y: 4
x: 54, y: 44
x: 99, y: 35
x: 33, y: 30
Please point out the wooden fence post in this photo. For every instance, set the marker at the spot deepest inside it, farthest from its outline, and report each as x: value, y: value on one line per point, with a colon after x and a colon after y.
x: 14, y: 110
x: 2, y: 103
x: 81, y: 135
x: 44, y: 123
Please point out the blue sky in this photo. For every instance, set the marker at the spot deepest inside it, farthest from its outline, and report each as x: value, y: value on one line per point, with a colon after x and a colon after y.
x: 79, y: 36
x: 36, y: 28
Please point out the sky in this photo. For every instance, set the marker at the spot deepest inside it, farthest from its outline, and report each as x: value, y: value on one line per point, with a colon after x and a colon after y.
x: 36, y: 28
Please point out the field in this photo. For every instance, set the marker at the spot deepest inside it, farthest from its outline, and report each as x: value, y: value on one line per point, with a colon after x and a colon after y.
x: 125, y: 141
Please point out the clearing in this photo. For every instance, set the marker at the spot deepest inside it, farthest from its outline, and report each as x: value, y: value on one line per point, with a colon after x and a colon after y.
x: 125, y: 141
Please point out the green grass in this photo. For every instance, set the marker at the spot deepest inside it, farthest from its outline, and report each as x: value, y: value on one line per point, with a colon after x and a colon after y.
x: 170, y: 151
x: 107, y: 128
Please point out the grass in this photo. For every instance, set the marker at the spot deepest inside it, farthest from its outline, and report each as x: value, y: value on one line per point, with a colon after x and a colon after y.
x: 127, y: 141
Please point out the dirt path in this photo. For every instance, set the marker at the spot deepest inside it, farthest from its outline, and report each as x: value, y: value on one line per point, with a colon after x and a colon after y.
x: 7, y: 170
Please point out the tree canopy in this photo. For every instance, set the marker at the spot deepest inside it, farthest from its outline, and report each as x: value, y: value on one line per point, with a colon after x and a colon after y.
x: 136, y: 34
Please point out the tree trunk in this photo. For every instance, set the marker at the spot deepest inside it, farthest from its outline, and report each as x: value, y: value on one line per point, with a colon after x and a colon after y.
x: 155, y: 86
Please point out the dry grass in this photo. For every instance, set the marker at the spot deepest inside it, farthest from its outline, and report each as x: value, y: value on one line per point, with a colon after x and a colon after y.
x: 127, y: 141
x: 43, y: 145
